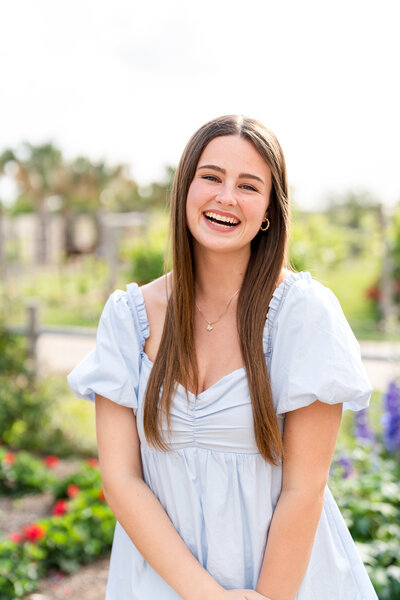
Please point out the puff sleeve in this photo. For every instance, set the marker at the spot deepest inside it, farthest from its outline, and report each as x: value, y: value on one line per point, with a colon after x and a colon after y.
x: 315, y: 355
x: 112, y: 368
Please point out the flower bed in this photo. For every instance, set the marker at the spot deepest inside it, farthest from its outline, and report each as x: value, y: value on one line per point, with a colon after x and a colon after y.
x: 365, y: 481
x: 80, y: 530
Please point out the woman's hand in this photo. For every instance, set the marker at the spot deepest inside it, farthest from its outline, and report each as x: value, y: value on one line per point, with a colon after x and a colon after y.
x: 241, y: 595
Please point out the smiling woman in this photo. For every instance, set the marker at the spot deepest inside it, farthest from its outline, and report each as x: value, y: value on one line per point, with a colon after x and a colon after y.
x: 219, y: 390
x: 230, y: 193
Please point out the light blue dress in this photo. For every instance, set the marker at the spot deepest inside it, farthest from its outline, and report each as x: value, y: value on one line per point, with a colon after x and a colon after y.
x: 217, y: 489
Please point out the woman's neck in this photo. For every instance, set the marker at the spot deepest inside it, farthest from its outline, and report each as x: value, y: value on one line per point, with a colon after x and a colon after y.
x: 218, y: 276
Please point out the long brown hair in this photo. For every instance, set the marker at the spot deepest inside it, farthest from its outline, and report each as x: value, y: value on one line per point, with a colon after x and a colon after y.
x: 176, y: 360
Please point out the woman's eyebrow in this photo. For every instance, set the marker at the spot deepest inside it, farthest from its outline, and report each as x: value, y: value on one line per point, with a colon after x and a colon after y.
x: 242, y: 175
x: 220, y: 169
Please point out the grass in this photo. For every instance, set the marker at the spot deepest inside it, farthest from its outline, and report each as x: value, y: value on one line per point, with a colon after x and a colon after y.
x: 72, y: 294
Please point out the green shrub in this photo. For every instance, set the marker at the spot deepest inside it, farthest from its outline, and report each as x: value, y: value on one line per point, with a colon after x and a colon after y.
x: 86, y: 478
x: 20, y: 569
x: 147, y: 263
x: 316, y: 241
x: 22, y: 473
x: 369, y: 500
x: 26, y: 404
x: 146, y: 255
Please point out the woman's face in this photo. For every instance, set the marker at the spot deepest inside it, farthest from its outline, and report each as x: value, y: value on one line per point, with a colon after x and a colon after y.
x: 229, y: 195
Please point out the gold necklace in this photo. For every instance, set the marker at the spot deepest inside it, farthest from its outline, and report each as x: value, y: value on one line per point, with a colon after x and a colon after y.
x: 211, y: 323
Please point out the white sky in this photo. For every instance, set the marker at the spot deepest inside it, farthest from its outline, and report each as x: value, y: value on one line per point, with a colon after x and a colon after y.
x: 130, y: 81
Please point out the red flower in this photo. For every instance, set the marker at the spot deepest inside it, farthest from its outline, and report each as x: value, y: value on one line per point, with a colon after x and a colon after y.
x: 9, y: 458
x: 93, y: 462
x: 101, y: 495
x: 73, y: 490
x: 51, y: 461
x: 16, y: 537
x: 34, y: 532
x: 374, y: 293
x: 60, y: 508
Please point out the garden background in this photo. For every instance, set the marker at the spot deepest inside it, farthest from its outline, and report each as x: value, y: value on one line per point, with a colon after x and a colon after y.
x: 98, y: 101
x: 108, y: 233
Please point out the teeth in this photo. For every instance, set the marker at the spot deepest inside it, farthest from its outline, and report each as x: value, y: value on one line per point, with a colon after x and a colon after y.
x: 222, y: 218
x: 224, y: 226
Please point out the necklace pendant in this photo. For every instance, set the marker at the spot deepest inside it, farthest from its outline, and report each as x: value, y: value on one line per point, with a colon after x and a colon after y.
x: 209, y: 327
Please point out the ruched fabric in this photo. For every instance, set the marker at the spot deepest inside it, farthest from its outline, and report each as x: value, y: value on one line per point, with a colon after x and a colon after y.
x: 216, y: 488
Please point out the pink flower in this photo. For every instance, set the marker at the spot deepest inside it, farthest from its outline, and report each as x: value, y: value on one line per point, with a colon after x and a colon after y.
x: 16, y: 537
x: 73, y: 490
x: 93, y: 462
x: 34, y: 532
x: 60, y: 508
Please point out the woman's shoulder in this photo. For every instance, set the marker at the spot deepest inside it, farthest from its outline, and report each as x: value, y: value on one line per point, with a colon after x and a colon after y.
x: 285, y: 273
x: 156, y: 292
x: 155, y: 295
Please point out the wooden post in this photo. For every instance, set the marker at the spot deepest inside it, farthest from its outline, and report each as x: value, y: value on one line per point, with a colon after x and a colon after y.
x: 3, y: 263
x: 387, y: 292
x: 33, y: 332
x: 109, y: 231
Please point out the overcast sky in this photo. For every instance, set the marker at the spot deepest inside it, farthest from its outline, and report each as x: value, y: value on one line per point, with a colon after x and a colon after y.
x: 130, y: 81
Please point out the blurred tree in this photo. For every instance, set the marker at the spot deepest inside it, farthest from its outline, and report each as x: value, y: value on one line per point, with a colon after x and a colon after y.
x: 156, y: 195
x: 357, y: 211
x: 315, y: 240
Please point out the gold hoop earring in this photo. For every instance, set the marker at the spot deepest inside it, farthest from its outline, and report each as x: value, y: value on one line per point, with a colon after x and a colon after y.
x: 268, y: 224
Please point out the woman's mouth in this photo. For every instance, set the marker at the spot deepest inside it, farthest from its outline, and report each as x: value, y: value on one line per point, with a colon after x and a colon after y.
x: 220, y: 222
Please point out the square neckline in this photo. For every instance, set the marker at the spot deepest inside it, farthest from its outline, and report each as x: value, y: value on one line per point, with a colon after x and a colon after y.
x: 197, y: 396
x: 278, y: 292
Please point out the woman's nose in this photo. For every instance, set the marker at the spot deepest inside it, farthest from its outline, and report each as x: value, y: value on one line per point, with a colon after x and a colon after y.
x: 226, y: 196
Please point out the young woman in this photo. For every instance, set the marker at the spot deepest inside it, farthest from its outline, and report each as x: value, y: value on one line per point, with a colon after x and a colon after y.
x: 219, y: 391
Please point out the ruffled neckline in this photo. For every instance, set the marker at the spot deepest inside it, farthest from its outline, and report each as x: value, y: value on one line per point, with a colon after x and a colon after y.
x: 273, y: 307
x: 281, y: 291
x: 276, y: 301
x: 135, y: 292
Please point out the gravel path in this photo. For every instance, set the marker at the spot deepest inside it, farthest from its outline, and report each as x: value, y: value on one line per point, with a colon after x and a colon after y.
x: 89, y: 583
x: 16, y: 513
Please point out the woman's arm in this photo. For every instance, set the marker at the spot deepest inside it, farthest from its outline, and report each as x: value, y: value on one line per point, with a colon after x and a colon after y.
x: 137, y: 508
x: 309, y: 440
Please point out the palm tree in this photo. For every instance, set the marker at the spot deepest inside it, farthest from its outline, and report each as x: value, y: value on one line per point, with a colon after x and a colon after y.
x: 36, y: 178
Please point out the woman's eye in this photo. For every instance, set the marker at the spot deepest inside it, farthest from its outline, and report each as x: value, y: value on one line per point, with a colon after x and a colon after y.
x: 249, y: 187
x: 210, y: 177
